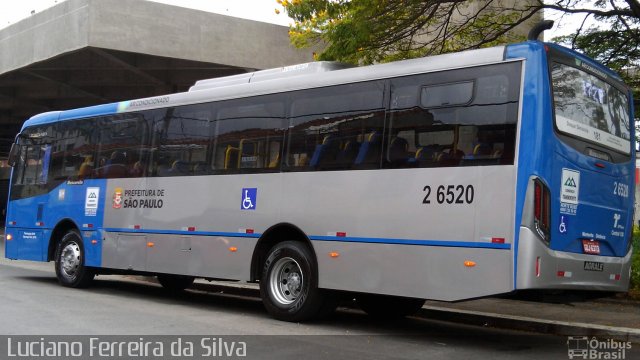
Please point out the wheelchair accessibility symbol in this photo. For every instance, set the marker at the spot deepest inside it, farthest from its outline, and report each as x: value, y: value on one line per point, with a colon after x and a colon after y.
x: 249, y: 199
x: 563, y: 225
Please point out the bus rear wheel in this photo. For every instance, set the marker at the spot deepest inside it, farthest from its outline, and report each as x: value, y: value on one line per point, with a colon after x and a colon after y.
x: 70, y: 262
x: 289, y: 287
x: 388, y: 307
x: 175, y: 283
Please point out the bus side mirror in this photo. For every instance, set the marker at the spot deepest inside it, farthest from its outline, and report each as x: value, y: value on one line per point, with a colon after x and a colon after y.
x: 13, y: 154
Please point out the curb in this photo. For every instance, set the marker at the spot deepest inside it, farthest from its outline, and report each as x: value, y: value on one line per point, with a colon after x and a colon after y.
x: 523, y: 323
x: 468, y: 317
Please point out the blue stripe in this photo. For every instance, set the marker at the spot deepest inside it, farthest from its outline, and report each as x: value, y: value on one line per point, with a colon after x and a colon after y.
x: 445, y: 243
x: 55, y: 116
x: 183, y: 232
x: 104, y: 109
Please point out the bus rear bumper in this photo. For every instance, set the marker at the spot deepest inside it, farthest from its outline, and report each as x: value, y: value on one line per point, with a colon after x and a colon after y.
x: 539, y: 267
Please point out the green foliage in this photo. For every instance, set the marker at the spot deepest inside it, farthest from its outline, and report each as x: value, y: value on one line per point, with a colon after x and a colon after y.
x: 635, y: 261
x: 367, y: 31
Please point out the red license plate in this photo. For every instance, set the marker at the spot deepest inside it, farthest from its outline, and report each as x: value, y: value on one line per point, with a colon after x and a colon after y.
x: 591, y: 247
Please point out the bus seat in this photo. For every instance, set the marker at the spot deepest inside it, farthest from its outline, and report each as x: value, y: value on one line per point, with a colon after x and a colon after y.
x: 275, y: 162
x: 231, y: 157
x: 370, y: 149
x: 348, y: 153
x: 303, y: 160
x: 482, y: 149
x: 450, y: 158
x: 426, y: 155
x: 115, y: 167
x: 200, y: 168
x: 113, y: 171
x: 179, y: 168
x: 325, y: 152
x: 398, y: 152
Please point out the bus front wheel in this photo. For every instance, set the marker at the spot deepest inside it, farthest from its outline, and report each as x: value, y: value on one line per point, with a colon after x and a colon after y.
x: 289, y: 287
x: 70, y: 265
x: 388, y: 307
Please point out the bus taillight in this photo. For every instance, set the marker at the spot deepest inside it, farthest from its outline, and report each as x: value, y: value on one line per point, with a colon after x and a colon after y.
x: 542, y: 209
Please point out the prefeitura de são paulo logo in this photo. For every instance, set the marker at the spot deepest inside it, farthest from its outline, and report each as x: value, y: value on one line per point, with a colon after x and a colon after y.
x: 117, y: 198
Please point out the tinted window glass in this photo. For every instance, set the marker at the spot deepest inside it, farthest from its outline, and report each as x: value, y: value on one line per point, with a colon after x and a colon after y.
x: 447, y: 94
x: 74, y: 149
x: 454, y: 118
x: 590, y: 108
x: 34, y: 157
x: 33, y: 165
x: 336, y: 128
x: 249, y: 134
x: 123, y: 142
x: 181, y: 142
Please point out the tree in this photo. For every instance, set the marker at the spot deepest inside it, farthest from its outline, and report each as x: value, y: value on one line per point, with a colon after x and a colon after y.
x: 367, y: 31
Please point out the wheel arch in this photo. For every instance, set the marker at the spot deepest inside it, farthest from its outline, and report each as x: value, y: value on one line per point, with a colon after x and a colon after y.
x: 61, y: 228
x: 274, y: 235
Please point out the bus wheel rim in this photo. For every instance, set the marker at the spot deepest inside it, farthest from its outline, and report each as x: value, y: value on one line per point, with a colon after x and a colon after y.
x: 70, y: 259
x: 286, y: 281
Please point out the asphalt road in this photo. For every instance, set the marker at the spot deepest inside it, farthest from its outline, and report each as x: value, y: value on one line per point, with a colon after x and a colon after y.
x: 32, y: 303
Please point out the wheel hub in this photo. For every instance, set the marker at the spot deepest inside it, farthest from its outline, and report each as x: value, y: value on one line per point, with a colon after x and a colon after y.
x: 286, y: 281
x: 70, y: 259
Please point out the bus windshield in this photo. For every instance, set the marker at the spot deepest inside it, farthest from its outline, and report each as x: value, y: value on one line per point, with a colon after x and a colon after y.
x: 590, y: 108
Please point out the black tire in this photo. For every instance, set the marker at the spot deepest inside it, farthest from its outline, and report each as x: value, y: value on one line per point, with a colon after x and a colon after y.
x: 289, y: 285
x: 388, y: 307
x: 70, y: 266
x: 175, y: 283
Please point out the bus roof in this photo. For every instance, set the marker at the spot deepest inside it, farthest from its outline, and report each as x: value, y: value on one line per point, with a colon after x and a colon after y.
x: 584, y: 58
x: 339, y: 75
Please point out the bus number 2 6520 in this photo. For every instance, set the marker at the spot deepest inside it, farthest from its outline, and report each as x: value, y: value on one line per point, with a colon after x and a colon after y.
x: 449, y: 194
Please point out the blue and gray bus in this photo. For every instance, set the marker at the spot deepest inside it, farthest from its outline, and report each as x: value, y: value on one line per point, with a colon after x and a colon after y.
x: 449, y: 177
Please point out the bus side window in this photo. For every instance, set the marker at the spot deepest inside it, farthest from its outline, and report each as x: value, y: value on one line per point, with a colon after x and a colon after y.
x: 30, y: 165
x: 73, y: 150
x: 248, y: 134
x: 181, y: 140
x: 325, y: 123
x: 123, y: 141
x: 461, y: 117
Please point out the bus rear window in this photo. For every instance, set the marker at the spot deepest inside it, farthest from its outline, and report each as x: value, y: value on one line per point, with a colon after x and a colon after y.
x: 590, y: 109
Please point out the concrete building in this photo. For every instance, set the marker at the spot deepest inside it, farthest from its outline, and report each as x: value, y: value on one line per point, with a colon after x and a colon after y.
x: 85, y: 52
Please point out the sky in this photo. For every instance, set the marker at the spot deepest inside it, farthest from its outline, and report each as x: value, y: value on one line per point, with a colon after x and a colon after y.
x: 12, y: 11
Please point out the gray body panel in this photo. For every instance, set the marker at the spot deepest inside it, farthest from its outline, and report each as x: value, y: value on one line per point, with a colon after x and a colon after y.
x: 202, y: 256
x: 426, y: 272
x: 372, y: 208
